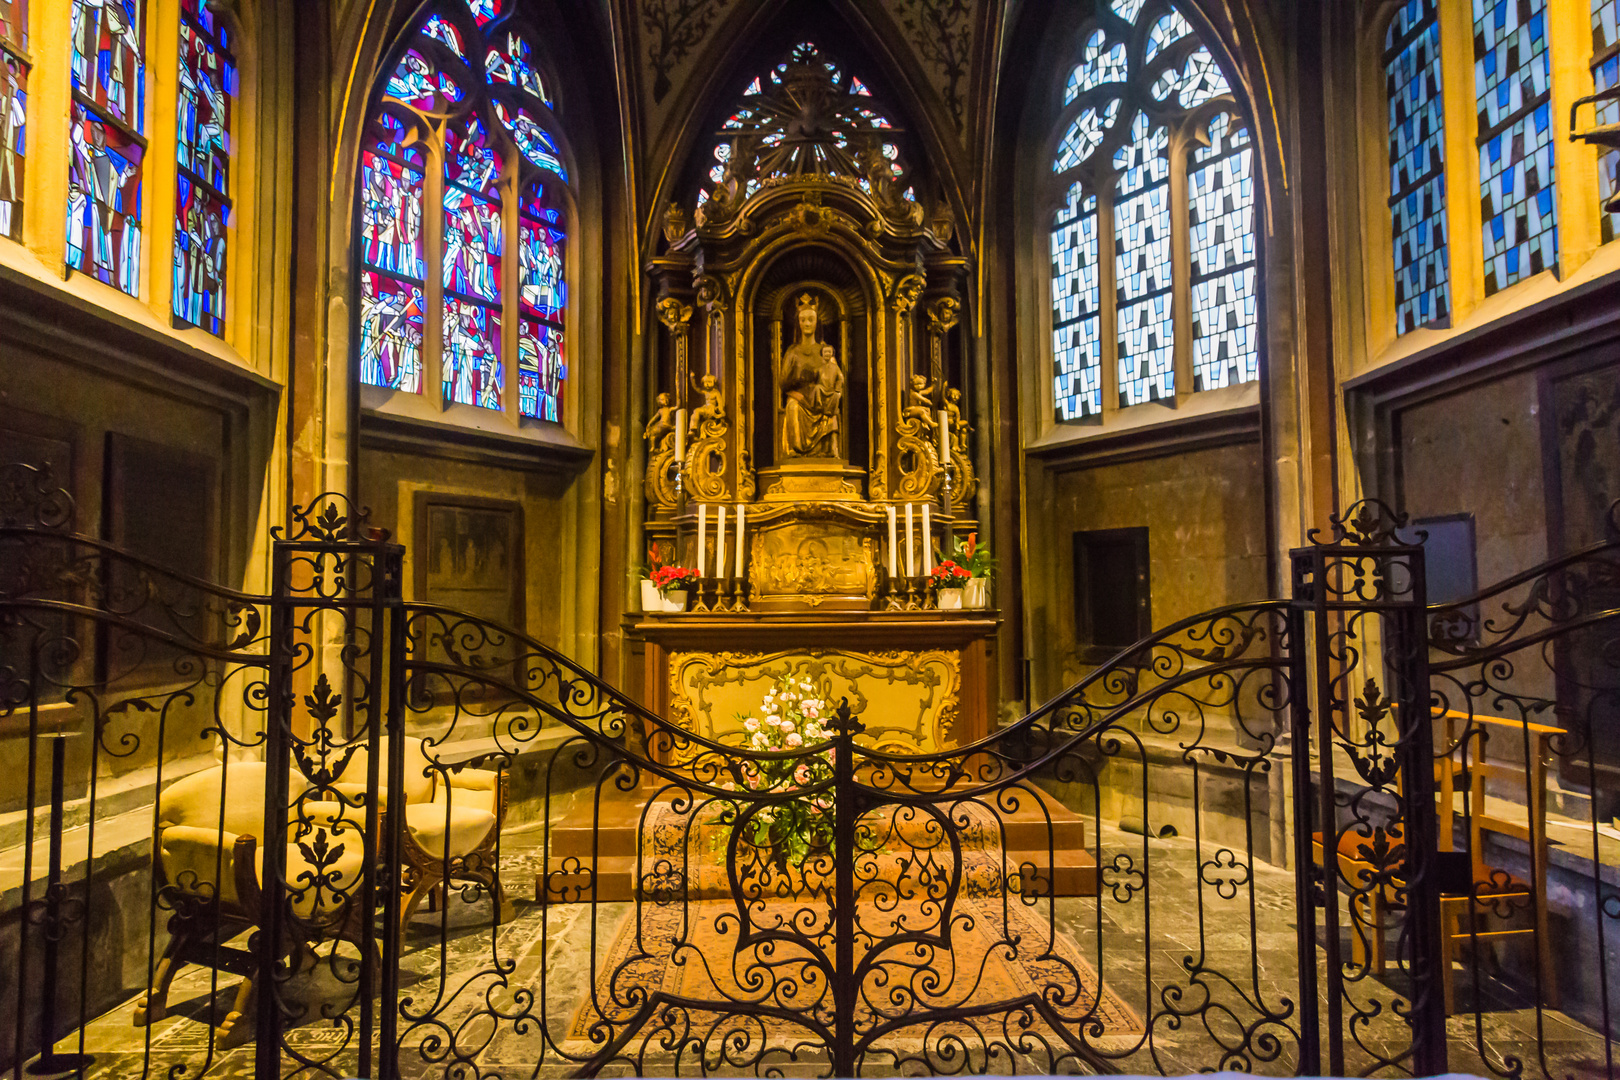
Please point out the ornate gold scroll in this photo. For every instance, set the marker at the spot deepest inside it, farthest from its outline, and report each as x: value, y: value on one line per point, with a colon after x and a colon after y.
x: 909, y: 701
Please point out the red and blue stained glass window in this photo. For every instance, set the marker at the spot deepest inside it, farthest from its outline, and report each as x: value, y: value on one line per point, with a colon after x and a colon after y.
x: 107, y: 146
x: 1513, y: 81
x: 466, y: 130
x: 13, y: 113
x: 393, y: 270
x: 207, y: 88
x: 542, y: 299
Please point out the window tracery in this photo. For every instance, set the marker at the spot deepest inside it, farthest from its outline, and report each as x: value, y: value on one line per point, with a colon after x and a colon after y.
x: 1417, y: 184
x: 107, y: 140
x: 806, y: 116
x: 466, y: 125
x: 1147, y: 111
x: 207, y: 87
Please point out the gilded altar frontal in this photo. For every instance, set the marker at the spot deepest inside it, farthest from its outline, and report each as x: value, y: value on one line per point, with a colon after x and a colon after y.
x: 809, y: 537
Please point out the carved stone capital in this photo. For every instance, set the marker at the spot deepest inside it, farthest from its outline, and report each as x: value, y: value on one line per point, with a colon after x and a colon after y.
x: 907, y: 291
x: 943, y: 314
x: 674, y: 314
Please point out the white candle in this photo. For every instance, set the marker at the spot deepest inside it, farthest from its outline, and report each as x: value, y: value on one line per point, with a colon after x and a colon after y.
x: 680, y: 435
x: 944, y: 438
x: 911, y: 552
x: 720, y: 545
x: 741, y: 547
x: 928, y: 544
x: 703, y: 527
x: 894, y: 548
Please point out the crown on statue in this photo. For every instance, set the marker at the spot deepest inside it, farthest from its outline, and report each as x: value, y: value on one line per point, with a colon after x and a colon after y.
x: 808, y: 300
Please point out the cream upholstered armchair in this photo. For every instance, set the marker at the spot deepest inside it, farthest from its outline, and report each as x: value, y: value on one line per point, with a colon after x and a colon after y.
x: 207, y: 865
x: 452, y: 822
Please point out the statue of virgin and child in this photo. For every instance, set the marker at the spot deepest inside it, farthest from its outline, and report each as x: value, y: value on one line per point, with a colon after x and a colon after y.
x: 812, y: 387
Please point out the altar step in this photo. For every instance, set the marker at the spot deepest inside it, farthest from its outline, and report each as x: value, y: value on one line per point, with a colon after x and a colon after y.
x: 593, y: 852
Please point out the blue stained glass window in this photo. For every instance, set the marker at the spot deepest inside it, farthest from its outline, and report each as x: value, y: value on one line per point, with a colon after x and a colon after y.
x: 1417, y: 180
x: 1142, y: 74
x: 106, y: 144
x: 1220, y: 190
x: 1142, y: 266
x: 1605, y: 76
x: 207, y: 86
x: 1512, y: 78
x: 473, y: 247
x: 13, y: 113
x: 391, y: 301
x: 1076, y: 309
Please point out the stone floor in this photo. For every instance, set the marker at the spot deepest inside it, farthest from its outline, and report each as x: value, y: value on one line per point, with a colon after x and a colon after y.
x: 1205, y: 957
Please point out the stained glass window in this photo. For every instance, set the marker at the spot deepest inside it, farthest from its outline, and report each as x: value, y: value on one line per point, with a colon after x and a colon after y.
x: 106, y: 144
x: 1512, y: 78
x: 465, y: 131
x: 1417, y: 170
x: 1076, y: 309
x: 807, y: 115
x: 1605, y: 76
x: 1220, y: 191
x: 207, y: 86
x: 542, y: 366
x: 392, y: 173
x: 1143, y: 83
x: 13, y: 113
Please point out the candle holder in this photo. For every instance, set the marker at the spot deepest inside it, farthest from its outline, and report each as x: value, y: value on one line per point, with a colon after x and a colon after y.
x: 739, y: 592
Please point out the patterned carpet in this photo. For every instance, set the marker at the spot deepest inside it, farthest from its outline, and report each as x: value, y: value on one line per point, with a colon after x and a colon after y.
x: 995, y: 957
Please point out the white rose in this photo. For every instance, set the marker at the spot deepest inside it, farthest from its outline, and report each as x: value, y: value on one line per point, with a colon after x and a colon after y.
x: 751, y: 724
x: 795, y: 739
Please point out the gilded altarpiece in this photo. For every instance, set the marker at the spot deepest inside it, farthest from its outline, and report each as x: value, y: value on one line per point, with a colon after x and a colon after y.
x: 810, y: 376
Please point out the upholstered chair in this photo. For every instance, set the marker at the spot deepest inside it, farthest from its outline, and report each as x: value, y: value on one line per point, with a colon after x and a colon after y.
x: 208, y: 865
x: 452, y: 822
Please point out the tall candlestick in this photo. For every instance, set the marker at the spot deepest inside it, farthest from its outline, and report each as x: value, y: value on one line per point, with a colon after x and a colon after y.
x: 703, y: 527
x: 894, y: 549
x: 720, y: 545
x: 680, y: 436
x: 944, y: 438
x: 742, y: 547
x: 928, y: 544
x: 911, y: 552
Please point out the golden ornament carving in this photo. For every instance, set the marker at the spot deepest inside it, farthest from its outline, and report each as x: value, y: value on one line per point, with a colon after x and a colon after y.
x: 966, y: 480
x: 907, y: 291
x: 910, y: 701
x: 918, y: 441
x: 943, y: 315
x: 812, y: 562
x: 674, y: 314
x: 706, y: 454
x: 660, y: 439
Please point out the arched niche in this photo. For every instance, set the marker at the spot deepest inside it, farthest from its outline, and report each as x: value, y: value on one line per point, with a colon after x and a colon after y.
x: 844, y: 294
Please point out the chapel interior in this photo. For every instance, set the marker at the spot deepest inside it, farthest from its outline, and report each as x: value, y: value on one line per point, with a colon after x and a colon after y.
x: 447, y: 445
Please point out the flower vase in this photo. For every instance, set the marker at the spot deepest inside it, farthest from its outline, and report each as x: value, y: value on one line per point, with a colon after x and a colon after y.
x: 651, y: 599
x: 675, y: 601
x: 976, y: 594
x: 950, y: 599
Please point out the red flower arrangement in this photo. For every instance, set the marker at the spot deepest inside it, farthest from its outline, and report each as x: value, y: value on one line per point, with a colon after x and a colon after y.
x: 667, y: 579
x: 948, y: 575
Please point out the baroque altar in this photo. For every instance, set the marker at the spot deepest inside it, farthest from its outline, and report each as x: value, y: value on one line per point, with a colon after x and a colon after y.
x: 809, y: 446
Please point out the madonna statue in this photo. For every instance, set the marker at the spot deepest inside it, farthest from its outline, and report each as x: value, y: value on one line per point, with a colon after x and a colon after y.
x: 812, y: 387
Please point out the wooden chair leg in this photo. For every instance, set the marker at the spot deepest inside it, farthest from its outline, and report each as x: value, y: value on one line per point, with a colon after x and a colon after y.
x: 423, y: 888
x: 155, y: 1005
x: 504, y: 912
x: 239, y: 1007
x: 1448, y: 946
x: 1375, y: 901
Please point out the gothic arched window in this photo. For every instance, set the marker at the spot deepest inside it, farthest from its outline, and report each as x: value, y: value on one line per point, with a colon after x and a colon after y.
x: 1605, y: 76
x: 108, y: 140
x: 462, y: 219
x: 1153, y: 242
x: 1417, y: 166
x: 202, y: 203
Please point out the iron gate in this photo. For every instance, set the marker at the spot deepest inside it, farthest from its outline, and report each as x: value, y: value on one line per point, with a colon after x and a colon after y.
x: 436, y: 846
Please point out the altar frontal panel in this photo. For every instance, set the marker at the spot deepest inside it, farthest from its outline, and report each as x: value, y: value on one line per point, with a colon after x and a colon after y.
x: 910, y: 701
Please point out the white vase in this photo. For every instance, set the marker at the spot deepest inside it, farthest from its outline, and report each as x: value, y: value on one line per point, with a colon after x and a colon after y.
x: 675, y: 601
x: 976, y: 594
x: 950, y: 599
x: 651, y: 599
